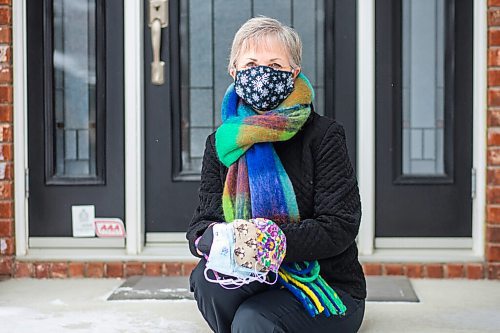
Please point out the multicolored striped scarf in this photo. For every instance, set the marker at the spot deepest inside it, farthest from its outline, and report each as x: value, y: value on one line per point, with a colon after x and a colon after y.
x: 257, y: 184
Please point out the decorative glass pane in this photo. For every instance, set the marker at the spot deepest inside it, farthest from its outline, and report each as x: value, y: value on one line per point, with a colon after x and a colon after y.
x: 207, y: 30
x: 74, y: 84
x: 423, y: 38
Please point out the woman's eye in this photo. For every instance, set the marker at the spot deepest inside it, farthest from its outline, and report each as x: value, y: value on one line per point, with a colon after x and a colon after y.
x: 250, y: 64
x: 275, y: 66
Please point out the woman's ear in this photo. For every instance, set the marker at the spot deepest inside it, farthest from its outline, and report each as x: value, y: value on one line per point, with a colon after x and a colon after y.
x: 296, y: 72
x: 232, y: 72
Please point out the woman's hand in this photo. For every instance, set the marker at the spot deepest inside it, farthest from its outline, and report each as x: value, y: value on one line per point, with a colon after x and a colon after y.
x: 204, y: 243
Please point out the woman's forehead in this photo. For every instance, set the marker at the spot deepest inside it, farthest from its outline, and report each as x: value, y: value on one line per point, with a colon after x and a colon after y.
x: 264, y: 45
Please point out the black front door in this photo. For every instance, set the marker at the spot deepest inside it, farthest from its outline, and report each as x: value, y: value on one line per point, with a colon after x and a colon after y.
x: 75, y: 112
x: 183, y: 111
x: 423, y: 118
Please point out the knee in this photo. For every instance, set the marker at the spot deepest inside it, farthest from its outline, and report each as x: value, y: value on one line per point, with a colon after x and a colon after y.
x: 197, y: 275
x: 248, y: 319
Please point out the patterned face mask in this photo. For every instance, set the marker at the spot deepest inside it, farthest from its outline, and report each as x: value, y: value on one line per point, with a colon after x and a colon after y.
x: 245, y: 251
x: 263, y: 87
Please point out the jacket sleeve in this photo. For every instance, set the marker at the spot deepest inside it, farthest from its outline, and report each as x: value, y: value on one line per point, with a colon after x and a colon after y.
x: 337, y: 205
x: 210, y: 197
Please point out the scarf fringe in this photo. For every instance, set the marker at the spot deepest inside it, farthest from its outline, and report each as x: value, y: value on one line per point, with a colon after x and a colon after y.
x: 311, y: 289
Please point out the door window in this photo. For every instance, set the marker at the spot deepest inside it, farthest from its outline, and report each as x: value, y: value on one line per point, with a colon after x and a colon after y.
x: 423, y: 86
x: 72, y: 115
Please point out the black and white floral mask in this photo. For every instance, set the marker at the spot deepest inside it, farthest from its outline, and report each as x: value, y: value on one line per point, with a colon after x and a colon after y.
x: 263, y: 87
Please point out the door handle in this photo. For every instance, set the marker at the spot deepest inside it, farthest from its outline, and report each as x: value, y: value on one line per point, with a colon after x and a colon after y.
x: 158, y: 19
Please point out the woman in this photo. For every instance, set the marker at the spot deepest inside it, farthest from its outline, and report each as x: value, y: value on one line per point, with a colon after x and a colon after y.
x: 274, y: 157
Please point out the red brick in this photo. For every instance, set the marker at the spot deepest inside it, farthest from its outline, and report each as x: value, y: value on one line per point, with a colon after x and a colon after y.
x: 5, y: 35
x: 5, y: 73
x: 494, y: 271
x: 114, y: 269
x: 493, y: 2
x: 493, y: 154
x: 455, y: 270
x: 394, y: 269
x: 493, y: 97
x: 23, y: 269
x: 493, y: 17
x: 153, y: 268
x: 5, y: 94
x: 493, y: 214
x: 6, y: 2
x: 94, y: 269
x: 76, y: 269
x: 6, y: 264
x: 134, y: 268
x: 475, y: 271
x: 6, y: 210
x: 414, y: 270
x: 172, y: 269
x: 493, y: 233
x: 493, y: 194
x: 6, y: 151
x: 6, y: 113
x: 493, y: 176
x: 9, y: 170
x: 5, y: 54
x: 188, y: 267
x: 493, y: 117
x: 493, y: 252
x: 372, y: 269
x: 434, y: 270
x: 493, y: 38
x: 42, y: 270
x: 494, y: 136
x: 6, y: 132
x: 5, y: 190
x: 59, y: 270
x: 6, y: 228
x: 5, y: 16
x: 7, y: 246
x: 493, y: 77
x: 493, y: 58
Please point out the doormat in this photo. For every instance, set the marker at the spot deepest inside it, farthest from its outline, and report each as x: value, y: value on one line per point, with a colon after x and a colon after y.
x: 379, y: 289
x: 390, y: 289
x: 153, y: 287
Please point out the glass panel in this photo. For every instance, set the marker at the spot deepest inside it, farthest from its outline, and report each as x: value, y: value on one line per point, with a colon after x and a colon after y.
x: 207, y: 30
x: 423, y: 39
x: 74, y: 79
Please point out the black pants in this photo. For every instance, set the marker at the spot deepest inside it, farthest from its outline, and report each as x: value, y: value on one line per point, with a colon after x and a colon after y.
x: 257, y: 307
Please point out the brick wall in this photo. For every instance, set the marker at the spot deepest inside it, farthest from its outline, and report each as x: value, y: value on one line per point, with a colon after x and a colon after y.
x: 493, y: 150
x: 62, y: 269
x: 6, y: 146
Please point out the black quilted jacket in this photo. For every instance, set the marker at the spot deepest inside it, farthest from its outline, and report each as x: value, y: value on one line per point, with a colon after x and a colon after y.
x: 327, y: 193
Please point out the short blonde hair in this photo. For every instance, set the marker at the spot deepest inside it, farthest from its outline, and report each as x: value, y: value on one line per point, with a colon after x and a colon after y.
x: 257, y: 29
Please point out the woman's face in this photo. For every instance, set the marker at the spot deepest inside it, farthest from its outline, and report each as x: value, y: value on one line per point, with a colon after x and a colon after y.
x: 270, y: 53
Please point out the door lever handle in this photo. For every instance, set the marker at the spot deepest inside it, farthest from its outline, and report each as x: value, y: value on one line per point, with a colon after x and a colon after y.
x: 158, y: 19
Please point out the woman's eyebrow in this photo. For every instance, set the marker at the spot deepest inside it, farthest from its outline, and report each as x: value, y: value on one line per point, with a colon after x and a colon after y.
x: 252, y: 59
x: 274, y: 59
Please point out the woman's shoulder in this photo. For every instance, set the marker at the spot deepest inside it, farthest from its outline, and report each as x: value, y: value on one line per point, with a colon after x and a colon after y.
x: 319, y: 127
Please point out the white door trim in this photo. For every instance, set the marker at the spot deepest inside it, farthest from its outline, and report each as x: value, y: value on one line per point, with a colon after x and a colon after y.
x: 134, y: 126
x: 366, y: 122
x: 367, y: 136
x: 480, y: 127
x: 20, y: 125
